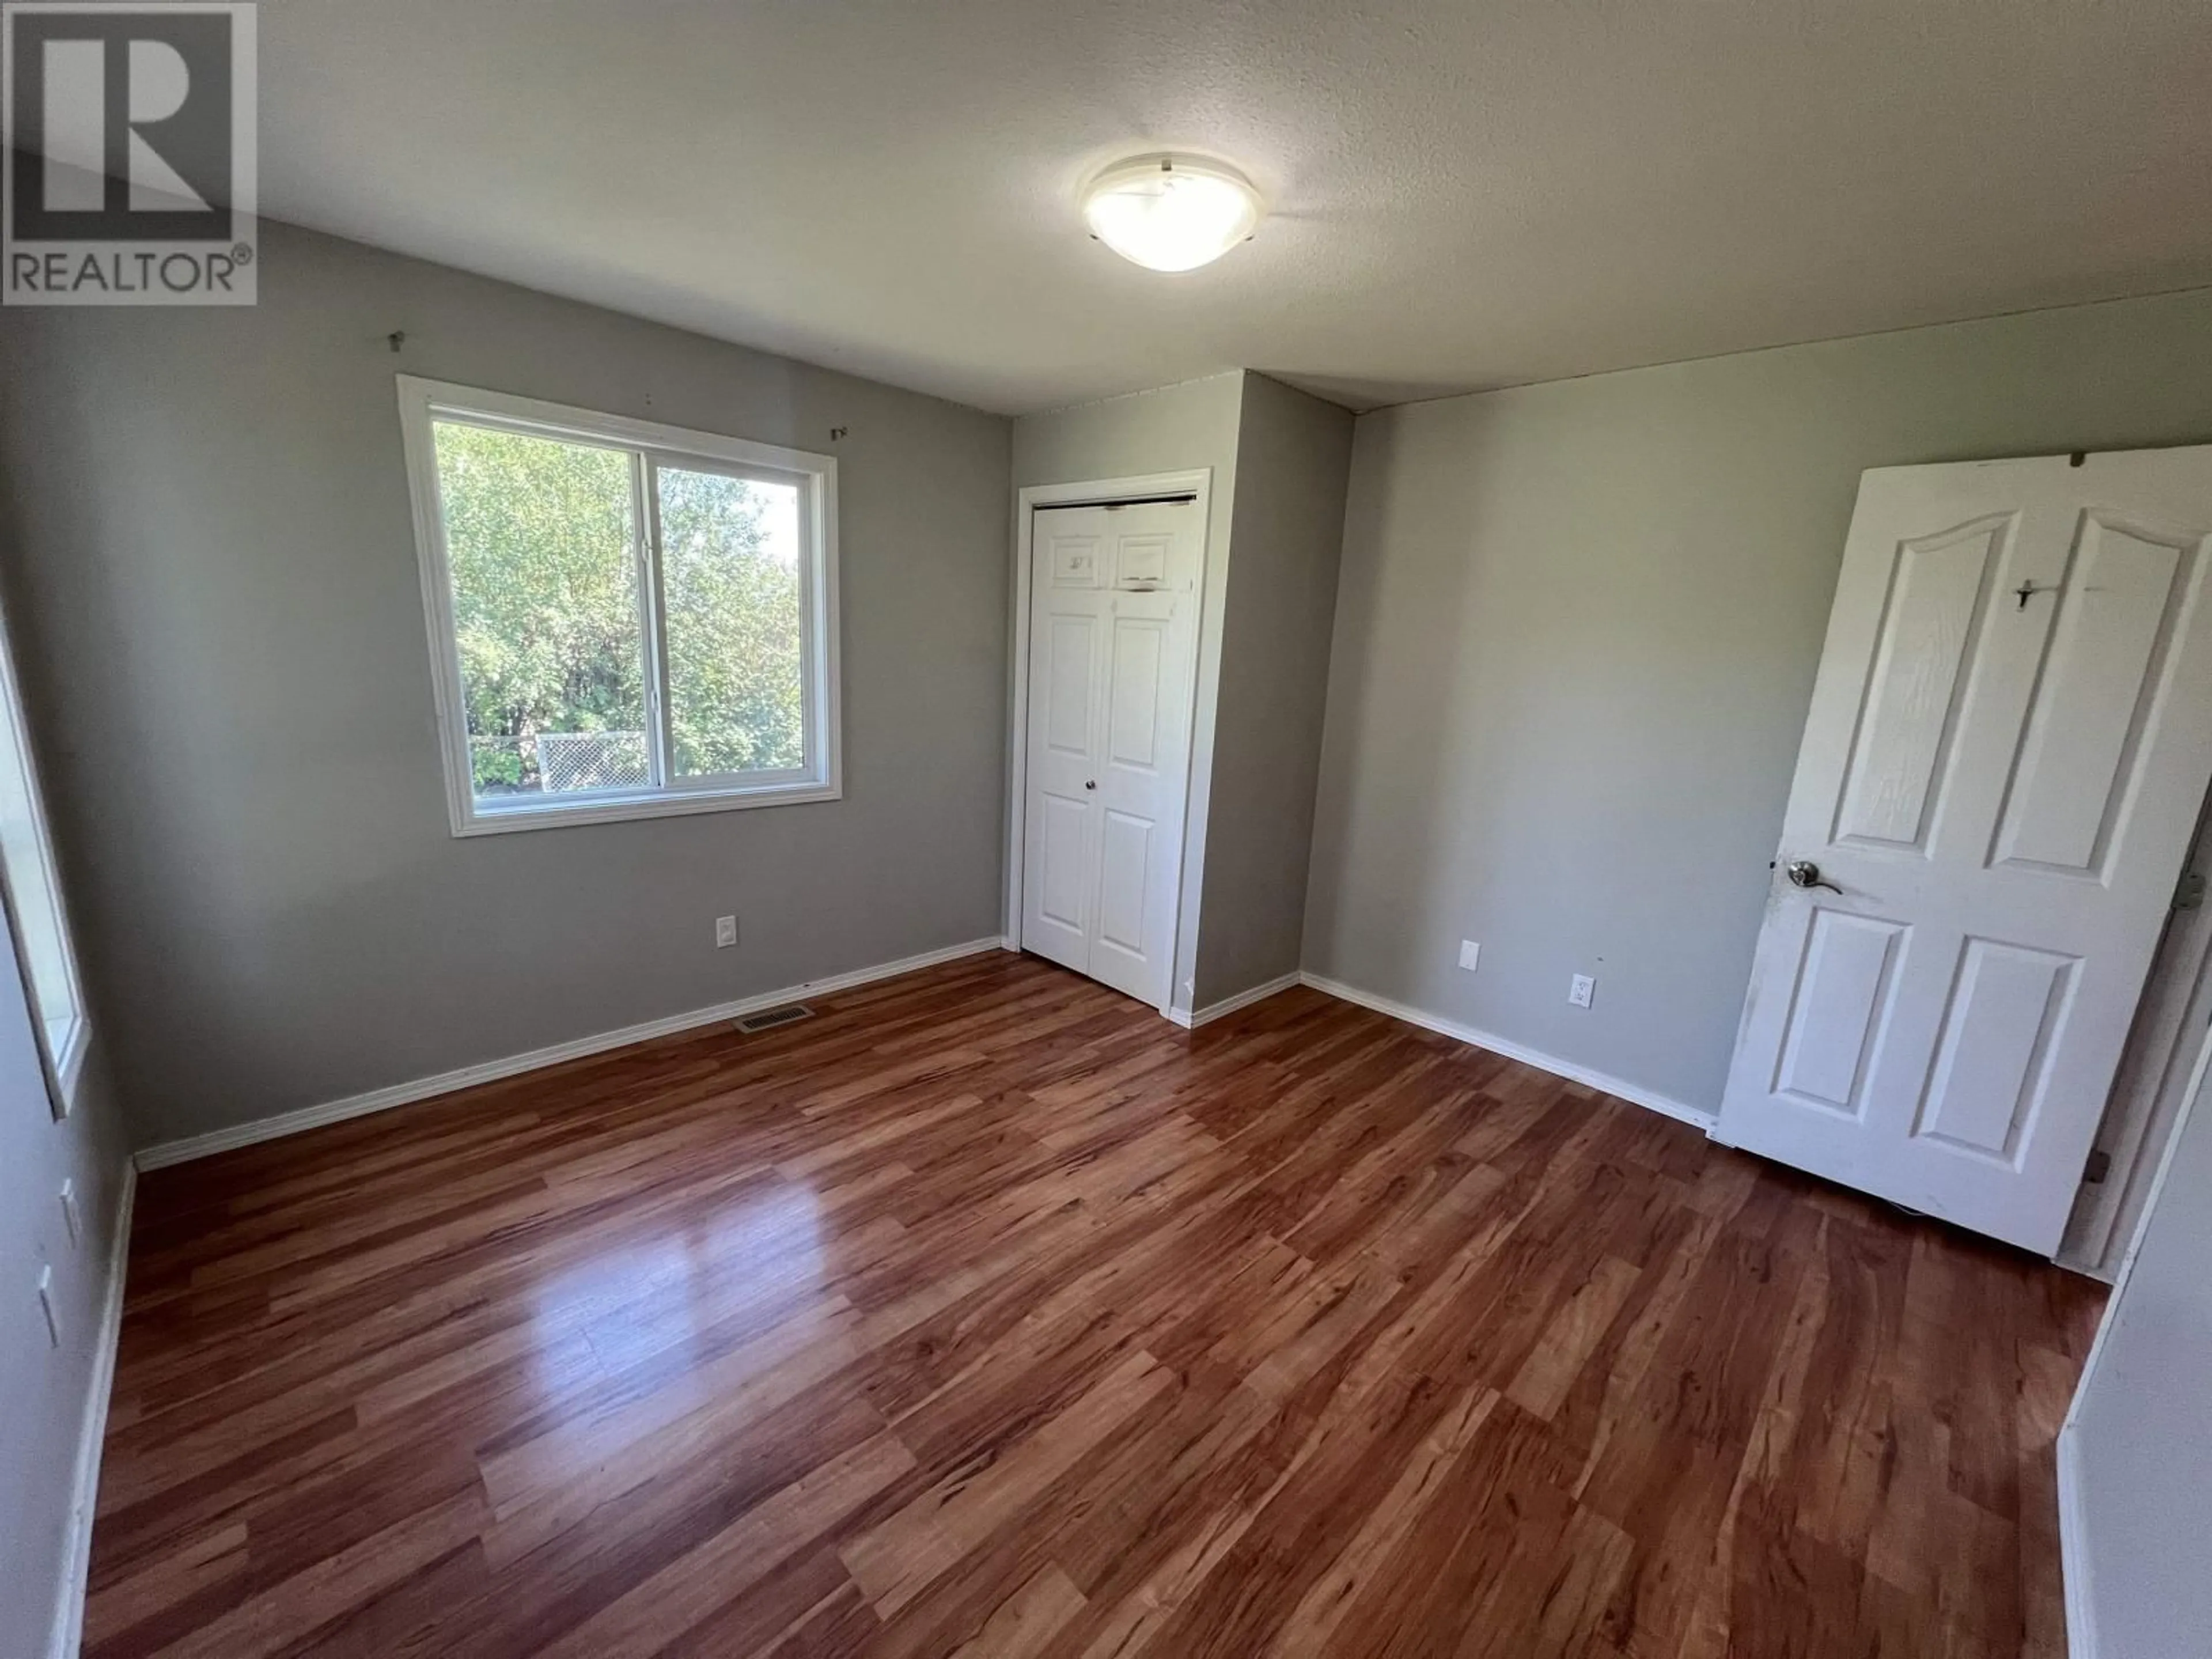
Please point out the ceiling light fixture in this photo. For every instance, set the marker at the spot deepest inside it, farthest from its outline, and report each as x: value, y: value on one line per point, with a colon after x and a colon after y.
x: 1171, y: 212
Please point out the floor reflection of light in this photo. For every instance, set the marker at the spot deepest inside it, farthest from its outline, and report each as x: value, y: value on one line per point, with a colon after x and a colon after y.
x: 643, y: 1295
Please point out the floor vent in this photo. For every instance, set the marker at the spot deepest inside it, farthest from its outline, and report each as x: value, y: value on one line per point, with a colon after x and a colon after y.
x: 768, y: 1019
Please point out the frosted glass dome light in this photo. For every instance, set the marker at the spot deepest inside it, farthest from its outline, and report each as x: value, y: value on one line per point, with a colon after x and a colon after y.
x: 1170, y: 212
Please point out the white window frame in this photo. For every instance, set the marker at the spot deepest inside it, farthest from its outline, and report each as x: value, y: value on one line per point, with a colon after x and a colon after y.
x: 652, y: 446
x: 64, y: 1062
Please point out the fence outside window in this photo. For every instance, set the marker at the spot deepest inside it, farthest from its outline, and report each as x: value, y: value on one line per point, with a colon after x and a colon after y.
x: 560, y: 762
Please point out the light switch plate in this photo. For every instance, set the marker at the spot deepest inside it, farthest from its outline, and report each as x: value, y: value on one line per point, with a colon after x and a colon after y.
x: 1470, y: 954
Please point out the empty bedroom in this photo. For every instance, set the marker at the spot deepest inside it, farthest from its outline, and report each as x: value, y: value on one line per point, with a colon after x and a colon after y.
x: 1101, y: 829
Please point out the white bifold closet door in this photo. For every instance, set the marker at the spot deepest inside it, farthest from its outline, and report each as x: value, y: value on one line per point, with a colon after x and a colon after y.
x: 1112, y: 634
x: 2009, y: 744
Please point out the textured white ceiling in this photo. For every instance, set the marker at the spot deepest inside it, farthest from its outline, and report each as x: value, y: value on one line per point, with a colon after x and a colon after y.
x: 1464, y: 195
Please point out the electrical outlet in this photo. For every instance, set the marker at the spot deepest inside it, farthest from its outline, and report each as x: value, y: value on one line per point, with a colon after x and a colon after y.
x: 726, y: 932
x: 69, y: 1212
x: 47, y: 1302
x: 1470, y: 954
x: 1580, y: 989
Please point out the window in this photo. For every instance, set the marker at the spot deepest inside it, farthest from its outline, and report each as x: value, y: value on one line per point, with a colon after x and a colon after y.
x: 626, y: 619
x: 34, y: 900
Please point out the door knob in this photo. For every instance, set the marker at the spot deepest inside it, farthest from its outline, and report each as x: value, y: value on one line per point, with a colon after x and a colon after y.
x: 1091, y: 783
x: 1803, y: 873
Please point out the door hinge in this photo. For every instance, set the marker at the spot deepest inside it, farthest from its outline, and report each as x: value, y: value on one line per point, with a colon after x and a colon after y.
x: 2100, y: 1166
x: 2190, y: 894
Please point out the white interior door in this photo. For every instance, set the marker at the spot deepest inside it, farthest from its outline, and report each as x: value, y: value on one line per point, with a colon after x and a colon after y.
x: 1113, y: 632
x: 2009, y: 743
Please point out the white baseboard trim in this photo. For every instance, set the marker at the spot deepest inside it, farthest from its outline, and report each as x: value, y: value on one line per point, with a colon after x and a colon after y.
x: 1620, y: 1087
x: 2073, y: 1549
x: 76, y: 1566
x: 491, y: 1070
x: 1215, y: 1011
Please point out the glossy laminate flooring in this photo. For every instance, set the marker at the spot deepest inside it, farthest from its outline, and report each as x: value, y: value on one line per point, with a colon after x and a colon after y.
x: 988, y: 1313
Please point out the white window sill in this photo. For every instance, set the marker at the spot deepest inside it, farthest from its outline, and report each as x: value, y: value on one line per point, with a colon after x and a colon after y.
x: 69, y: 1063
x: 541, y: 814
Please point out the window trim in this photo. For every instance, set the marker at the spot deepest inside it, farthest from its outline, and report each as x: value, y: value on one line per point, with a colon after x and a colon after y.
x: 65, y: 1068
x: 650, y: 446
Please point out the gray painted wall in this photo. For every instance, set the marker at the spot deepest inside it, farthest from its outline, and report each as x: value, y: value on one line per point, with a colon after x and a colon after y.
x: 1576, y: 638
x: 1176, y: 428
x: 1293, y: 454
x: 2139, y: 1443
x: 218, y: 585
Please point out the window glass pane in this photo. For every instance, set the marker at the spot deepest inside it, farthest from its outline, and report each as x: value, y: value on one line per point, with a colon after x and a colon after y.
x: 541, y: 538
x: 730, y: 586
x: 31, y: 884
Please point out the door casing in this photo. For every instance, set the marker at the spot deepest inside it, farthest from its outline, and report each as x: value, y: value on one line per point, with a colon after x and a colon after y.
x: 2172, y: 1029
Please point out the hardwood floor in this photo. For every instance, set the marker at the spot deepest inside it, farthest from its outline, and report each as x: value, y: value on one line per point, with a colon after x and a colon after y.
x: 988, y: 1313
